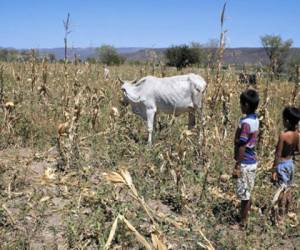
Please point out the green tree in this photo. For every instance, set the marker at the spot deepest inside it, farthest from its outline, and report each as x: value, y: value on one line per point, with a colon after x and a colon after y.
x: 8, y: 55
x: 4, y: 54
x: 91, y: 60
x: 293, y: 65
x: 109, y: 55
x: 52, y: 57
x: 200, y: 52
x: 184, y: 55
x: 276, y: 50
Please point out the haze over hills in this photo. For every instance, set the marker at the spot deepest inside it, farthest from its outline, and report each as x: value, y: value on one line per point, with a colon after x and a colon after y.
x: 84, y: 53
x: 231, y: 55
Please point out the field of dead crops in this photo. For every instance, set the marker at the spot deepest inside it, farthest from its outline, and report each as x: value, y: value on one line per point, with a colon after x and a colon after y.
x: 95, y: 184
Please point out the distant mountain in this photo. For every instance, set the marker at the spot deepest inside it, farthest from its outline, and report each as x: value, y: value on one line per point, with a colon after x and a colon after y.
x: 238, y: 56
x: 142, y: 54
x: 231, y: 55
x: 83, y: 53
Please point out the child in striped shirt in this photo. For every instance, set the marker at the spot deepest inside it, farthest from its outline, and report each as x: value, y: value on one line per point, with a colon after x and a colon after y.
x: 245, y: 155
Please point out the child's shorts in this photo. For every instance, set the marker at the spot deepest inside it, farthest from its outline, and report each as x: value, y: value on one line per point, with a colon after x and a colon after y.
x: 245, y: 182
x: 285, y: 172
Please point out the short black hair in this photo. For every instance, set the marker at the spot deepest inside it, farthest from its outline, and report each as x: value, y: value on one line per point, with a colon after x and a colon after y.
x: 292, y: 114
x: 250, y: 96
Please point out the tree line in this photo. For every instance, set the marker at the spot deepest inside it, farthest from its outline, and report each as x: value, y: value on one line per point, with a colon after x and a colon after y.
x: 181, y: 56
x: 11, y: 55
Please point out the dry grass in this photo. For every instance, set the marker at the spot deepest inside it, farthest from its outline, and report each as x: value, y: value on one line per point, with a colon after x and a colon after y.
x: 179, y: 194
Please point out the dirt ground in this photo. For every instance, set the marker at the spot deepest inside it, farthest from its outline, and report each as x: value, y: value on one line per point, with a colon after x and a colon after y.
x: 36, y: 201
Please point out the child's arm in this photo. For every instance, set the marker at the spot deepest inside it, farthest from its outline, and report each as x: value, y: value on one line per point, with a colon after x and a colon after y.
x: 298, y: 146
x: 241, y: 144
x: 277, y: 156
x: 240, y: 156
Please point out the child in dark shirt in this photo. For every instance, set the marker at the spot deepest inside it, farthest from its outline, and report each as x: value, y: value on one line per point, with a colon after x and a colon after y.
x: 287, y: 146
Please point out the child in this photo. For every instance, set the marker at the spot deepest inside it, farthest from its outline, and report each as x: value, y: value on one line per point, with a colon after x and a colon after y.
x: 245, y: 156
x: 288, y: 144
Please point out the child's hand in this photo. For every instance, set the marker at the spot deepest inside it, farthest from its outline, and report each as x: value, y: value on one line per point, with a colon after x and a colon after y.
x: 236, y: 173
x: 274, y: 177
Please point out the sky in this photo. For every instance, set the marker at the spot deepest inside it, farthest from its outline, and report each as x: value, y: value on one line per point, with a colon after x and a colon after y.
x: 145, y: 23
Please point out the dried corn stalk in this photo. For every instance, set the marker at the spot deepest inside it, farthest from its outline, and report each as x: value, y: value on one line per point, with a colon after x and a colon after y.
x: 124, y: 178
x: 42, y: 89
x: 208, y: 244
x: 111, y: 234
x: 95, y: 106
x: 10, y: 117
x: 219, y: 89
x: 73, y: 152
x: 264, y: 119
x: 225, y: 95
x: 138, y: 236
x: 69, y: 148
x: 2, y: 87
x: 33, y: 63
x: 295, y: 93
x: 157, y: 242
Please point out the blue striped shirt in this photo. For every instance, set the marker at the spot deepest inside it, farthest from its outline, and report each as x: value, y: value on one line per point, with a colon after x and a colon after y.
x: 247, y: 133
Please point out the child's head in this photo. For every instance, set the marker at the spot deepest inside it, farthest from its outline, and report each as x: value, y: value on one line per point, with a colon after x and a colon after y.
x: 291, y: 117
x: 249, y: 100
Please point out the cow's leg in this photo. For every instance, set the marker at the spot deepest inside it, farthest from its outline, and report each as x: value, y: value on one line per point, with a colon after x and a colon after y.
x: 150, y: 123
x: 192, y: 119
x: 155, y: 123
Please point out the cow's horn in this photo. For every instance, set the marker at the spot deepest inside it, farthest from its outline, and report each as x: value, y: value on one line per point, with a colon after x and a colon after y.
x: 120, y: 80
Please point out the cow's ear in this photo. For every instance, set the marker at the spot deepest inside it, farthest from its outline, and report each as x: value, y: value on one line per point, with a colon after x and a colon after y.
x: 134, y: 81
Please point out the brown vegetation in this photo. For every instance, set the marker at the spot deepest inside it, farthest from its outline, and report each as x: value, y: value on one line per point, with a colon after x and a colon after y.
x: 176, y: 195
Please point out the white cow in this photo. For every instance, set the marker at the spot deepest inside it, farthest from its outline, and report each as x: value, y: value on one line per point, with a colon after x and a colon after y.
x: 173, y: 95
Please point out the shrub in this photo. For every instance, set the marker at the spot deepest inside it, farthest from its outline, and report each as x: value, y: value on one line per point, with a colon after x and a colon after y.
x: 109, y: 55
x: 184, y: 55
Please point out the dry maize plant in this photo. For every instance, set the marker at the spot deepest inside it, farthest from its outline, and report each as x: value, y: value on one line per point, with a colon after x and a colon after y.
x: 295, y: 93
x: 152, y: 60
x: 67, y: 30
x: 202, y: 144
x: 225, y: 91
x: 175, y: 195
x: 2, y: 87
x: 73, y: 149
x: 174, y: 164
x: 142, y: 72
x: 10, y: 117
x: 42, y: 89
x: 67, y: 132
x: 163, y: 68
x: 95, y: 100
x: 182, y: 185
x: 124, y: 178
x: 220, y: 92
x: 158, y: 239
x: 62, y: 131
x: 264, y: 119
x: 218, y: 67
x: 33, y: 64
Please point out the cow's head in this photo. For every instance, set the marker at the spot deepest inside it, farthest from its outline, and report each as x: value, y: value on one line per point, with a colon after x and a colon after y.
x: 125, y: 87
